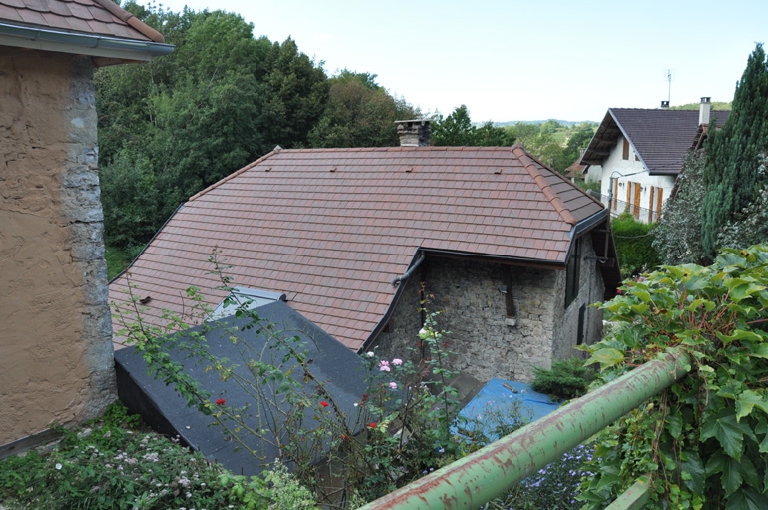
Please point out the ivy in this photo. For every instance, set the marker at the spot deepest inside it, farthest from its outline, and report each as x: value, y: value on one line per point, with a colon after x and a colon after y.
x: 701, y: 443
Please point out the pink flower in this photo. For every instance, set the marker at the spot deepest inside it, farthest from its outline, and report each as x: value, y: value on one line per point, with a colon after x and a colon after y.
x: 397, y: 361
x: 393, y: 385
x: 221, y: 402
x: 384, y: 366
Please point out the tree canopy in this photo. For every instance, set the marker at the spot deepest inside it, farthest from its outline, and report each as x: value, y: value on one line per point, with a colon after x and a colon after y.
x: 458, y: 130
x: 359, y: 113
x: 731, y: 173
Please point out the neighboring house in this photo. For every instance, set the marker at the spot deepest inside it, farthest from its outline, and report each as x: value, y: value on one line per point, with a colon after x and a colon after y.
x: 636, y: 155
x: 511, y: 252
x: 56, y: 358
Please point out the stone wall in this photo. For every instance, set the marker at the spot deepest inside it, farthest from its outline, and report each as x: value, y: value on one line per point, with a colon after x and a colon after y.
x: 56, y: 359
x: 591, y: 289
x: 503, y: 319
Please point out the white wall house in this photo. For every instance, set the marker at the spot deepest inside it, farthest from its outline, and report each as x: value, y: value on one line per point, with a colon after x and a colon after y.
x: 636, y: 155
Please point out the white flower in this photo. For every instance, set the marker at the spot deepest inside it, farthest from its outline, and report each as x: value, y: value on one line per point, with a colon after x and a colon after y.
x: 59, y: 466
x: 422, y: 332
x: 355, y: 404
x: 369, y: 354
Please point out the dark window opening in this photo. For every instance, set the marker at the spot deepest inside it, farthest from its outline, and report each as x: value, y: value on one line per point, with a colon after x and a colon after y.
x: 580, y: 332
x: 625, y: 151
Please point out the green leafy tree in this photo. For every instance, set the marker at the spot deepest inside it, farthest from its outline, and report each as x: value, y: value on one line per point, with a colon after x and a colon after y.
x: 677, y: 236
x: 731, y: 176
x: 359, y: 113
x: 457, y: 130
x: 219, y: 101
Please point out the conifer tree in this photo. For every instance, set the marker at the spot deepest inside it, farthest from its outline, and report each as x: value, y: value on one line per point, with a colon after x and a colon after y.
x: 731, y: 176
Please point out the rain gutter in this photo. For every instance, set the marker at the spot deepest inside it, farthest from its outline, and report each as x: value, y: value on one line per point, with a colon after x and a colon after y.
x: 80, y: 44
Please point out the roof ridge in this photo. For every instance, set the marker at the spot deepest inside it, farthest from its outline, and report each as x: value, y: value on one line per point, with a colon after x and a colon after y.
x: 235, y: 174
x: 530, y: 166
x: 131, y: 20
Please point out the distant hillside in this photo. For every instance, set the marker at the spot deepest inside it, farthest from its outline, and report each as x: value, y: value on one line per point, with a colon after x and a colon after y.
x: 716, y: 105
x: 566, y: 123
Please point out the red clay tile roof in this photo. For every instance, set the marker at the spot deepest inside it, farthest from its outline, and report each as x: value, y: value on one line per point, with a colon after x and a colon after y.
x: 659, y: 137
x: 331, y: 228
x: 98, y: 17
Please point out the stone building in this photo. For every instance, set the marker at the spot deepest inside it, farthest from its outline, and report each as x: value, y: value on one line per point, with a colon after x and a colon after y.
x: 56, y: 357
x: 511, y: 252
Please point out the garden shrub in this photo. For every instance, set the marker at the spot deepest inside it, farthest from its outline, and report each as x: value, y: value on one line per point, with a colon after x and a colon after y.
x: 634, y: 245
x: 115, y: 462
x: 702, y: 442
x: 567, y: 378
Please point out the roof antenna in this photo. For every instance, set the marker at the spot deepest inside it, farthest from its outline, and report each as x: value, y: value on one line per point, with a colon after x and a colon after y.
x: 669, y: 79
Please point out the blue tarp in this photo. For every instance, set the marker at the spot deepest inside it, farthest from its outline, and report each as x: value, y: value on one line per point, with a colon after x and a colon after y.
x: 496, y: 402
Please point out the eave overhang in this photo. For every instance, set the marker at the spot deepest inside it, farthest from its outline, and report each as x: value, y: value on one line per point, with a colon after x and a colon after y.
x: 99, y: 46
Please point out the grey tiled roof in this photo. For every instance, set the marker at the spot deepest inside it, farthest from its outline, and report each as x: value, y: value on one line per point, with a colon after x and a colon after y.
x: 659, y: 137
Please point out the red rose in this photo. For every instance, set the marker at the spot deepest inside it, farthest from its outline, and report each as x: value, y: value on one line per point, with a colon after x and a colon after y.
x: 345, y: 437
x: 372, y: 424
x: 221, y: 402
x: 324, y: 403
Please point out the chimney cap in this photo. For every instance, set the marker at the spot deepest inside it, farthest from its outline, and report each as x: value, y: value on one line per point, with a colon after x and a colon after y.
x: 706, y: 99
x: 665, y: 104
x: 414, y: 133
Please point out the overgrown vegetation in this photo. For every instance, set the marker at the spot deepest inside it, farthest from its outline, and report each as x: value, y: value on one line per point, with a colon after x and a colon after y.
x: 677, y: 236
x: 702, y: 442
x: 567, y: 379
x: 634, y: 245
x: 405, y: 422
x: 116, y: 463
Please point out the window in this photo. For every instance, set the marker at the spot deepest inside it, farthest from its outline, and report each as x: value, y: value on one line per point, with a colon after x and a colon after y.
x: 572, y: 273
x: 625, y: 151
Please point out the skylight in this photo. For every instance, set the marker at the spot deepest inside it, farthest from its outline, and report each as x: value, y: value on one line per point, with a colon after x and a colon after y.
x: 245, y: 298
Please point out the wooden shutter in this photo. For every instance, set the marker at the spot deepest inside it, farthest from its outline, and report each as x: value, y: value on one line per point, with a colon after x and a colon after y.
x: 636, y: 201
x: 625, y: 151
x: 615, y: 194
x: 658, y: 200
x: 629, y: 196
x: 650, y: 205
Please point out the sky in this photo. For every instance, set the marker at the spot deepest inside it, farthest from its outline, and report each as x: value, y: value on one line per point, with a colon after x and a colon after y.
x: 513, y: 60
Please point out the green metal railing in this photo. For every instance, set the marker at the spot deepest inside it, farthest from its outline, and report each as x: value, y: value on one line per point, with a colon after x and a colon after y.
x: 491, y: 471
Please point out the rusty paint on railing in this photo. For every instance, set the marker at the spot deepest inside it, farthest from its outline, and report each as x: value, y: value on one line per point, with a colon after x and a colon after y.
x: 490, y: 471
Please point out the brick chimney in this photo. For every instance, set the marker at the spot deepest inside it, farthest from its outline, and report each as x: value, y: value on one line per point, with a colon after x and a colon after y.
x: 413, y: 133
x: 704, y: 110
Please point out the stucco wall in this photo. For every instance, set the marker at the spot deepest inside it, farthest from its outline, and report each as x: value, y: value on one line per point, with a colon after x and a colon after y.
x: 55, y: 342
x: 615, y: 163
x: 474, y: 309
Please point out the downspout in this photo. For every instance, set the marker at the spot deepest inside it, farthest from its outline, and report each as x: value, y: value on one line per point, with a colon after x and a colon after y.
x: 410, y: 271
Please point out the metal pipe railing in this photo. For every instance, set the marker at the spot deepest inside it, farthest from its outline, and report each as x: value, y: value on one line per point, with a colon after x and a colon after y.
x: 491, y: 471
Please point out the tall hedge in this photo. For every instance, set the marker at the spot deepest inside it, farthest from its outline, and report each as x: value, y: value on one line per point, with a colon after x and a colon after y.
x: 634, y: 244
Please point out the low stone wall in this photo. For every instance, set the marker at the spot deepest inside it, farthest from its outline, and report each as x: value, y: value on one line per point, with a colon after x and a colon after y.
x: 56, y: 359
